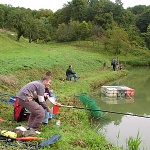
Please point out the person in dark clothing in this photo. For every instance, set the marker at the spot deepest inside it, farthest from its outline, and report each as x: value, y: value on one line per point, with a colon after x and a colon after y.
x: 70, y: 74
x: 104, y: 65
x: 114, y: 64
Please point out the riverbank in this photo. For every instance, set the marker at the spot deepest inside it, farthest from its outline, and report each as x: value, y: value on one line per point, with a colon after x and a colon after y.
x: 75, y: 124
x: 117, y: 128
x: 23, y: 62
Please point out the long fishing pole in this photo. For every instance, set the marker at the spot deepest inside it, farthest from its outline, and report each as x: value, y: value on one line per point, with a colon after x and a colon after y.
x: 90, y: 109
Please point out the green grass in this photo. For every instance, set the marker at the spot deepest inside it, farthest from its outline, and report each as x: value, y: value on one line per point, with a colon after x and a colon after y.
x: 23, y: 62
x: 134, y: 143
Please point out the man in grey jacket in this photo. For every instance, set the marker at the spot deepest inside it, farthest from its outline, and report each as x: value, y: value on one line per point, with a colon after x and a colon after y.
x: 26, y: 95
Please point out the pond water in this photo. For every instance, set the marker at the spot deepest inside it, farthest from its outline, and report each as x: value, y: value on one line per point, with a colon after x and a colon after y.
x: 117, y: 128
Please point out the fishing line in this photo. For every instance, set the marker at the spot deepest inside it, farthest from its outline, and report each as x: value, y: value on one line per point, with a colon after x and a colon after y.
x: 120, y: 113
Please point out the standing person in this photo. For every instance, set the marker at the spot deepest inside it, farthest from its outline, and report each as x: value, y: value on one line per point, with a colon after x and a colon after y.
x: 25, y: 97
x: 114, y: 63
x: 70, y: 74
x: 104, y: 65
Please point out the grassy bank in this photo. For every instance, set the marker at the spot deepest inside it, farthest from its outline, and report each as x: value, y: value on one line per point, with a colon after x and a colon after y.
x: 23, y: 62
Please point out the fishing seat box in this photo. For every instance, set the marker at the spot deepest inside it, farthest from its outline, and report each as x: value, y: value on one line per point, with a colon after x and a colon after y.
x: 103, y: 89
x: 111, y: 92
x: 121, y: 91
x: 130, y: 92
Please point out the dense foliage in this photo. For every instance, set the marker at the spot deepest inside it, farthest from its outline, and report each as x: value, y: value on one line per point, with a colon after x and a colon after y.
x: 82, y: 20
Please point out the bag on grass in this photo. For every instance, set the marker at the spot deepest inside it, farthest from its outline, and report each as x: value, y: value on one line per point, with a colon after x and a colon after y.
x: 24, y: 131
x: 20, y: 113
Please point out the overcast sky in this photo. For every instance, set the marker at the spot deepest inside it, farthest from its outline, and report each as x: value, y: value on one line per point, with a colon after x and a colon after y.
x: 58, y: 4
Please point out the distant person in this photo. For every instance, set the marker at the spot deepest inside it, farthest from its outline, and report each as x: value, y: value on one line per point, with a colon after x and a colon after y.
x: 120, y: 66
x: 70, y: 74
x: 104, y: 65
x: 26, y: 97
x: 114, y: 64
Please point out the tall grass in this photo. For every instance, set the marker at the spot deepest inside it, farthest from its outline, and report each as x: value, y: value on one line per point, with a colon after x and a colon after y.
x: 134, y: 143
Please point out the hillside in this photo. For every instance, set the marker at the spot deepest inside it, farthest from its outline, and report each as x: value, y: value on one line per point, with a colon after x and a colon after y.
x: 23, y: 62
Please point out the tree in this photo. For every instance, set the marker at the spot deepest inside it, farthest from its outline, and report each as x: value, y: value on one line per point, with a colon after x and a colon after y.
x: 138, y: 9
x: 84, y: 29
x: 143, y: 21
x: 118, y: 14
x: 2, y: 16
x: 93, y: 7
x: 73, y: 31
x: 147, y: 38
x: 105, y: 20
x: 97, y: 31
x: 118, y: 38
x: 61, y: 16
x: 4, y: 11
x: 135, y: 36
x: 33, y: 31
x: 119, y: 3
x: 78, y: 10
x: 65, y: 33
x: 44, y: 13
x: 20, y: 19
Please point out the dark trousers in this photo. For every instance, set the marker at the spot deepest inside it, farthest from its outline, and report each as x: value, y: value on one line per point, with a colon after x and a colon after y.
x: 68, y: 78
x: 114, y: 67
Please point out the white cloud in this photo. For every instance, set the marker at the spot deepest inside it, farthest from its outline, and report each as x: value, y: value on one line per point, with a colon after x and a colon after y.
x: 132, y: 3
x: 58, y: 4
x: 37, y: 4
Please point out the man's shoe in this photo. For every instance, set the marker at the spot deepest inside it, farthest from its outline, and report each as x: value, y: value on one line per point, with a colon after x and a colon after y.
x: 37, y: 132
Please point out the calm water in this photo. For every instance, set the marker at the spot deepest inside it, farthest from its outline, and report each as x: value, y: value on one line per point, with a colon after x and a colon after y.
x: 125, y: 126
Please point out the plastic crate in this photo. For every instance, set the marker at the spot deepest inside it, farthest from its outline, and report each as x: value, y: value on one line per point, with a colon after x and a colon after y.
x: 111, y: 92
x: 130, y: 92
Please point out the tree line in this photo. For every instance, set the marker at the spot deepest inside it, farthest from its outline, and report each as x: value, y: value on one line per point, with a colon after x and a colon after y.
x: 94, y: 20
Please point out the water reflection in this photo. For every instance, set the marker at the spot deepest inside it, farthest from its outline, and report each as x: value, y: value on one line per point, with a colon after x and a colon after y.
x: 126, y: 125
x: 116, y: 100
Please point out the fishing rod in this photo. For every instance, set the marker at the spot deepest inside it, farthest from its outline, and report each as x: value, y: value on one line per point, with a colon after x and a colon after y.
x: 25, y: 140
x: 90, y: 109
x: 55, y: 111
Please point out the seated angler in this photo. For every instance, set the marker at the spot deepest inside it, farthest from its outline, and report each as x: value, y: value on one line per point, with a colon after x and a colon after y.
x: 70, y: 74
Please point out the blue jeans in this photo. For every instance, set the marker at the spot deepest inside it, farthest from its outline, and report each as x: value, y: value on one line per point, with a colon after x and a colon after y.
x: 48, y: 115
x: 72, y: 75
